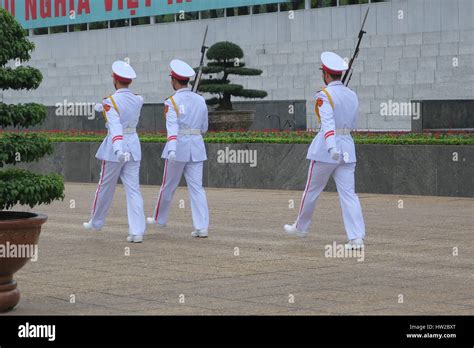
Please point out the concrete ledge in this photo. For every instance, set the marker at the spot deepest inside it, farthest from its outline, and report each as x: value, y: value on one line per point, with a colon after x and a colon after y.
x: 386, y: 169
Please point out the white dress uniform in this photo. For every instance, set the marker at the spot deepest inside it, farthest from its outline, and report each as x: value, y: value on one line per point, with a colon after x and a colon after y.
x: 120, y: 153
x: 332, y: 152
x: 186, y: 121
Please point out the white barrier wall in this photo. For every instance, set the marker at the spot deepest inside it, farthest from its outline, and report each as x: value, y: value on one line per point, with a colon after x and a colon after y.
x: 414, y: 49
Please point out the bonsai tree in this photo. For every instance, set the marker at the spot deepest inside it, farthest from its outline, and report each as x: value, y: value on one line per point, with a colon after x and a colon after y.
x: 225, y: 59
x: 19, y: 186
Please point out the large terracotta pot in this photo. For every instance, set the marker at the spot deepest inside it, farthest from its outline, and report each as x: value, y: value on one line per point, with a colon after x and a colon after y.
x: 230, y: 120
x: 16, y: 229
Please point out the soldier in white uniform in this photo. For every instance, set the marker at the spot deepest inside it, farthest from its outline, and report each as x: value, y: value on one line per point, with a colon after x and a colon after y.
x: 332, y: 152
x: 120, y: 153
x: 186, y: 120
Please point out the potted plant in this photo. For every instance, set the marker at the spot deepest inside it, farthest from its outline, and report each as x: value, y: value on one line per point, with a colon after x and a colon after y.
x: 225, y: 59
x: 19, y: 231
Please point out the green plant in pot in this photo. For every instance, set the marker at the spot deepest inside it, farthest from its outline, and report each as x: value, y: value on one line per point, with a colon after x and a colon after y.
x: 19, y: 231
x: 226, y: 59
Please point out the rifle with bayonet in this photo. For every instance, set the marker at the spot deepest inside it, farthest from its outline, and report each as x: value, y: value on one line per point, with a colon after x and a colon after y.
x: 201, y: 64
x: 348, y: 75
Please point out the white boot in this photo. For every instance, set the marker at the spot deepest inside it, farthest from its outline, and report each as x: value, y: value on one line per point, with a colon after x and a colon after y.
x: 355, y: 244
x: 292, y: 230
x: 152, y: 221
x: 135, y: 239
x: 88, y: 226
x: 200, y: 233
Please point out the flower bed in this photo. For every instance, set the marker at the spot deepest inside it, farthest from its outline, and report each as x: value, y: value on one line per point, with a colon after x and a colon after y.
x: 276, y: 137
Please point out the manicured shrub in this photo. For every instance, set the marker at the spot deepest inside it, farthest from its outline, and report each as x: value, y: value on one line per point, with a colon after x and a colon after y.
x: 20, y: 186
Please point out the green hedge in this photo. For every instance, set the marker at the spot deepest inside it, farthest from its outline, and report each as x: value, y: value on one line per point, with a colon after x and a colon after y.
x: 19, y: 186
x: 26, y: 147
x: 22, y: 115
x: 284, y: 138
x: 23, y: 77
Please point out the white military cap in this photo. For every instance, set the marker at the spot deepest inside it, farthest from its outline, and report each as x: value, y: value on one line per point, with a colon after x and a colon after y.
x: 123, y: 71
x: 181, y: 70
x: 333, y: 64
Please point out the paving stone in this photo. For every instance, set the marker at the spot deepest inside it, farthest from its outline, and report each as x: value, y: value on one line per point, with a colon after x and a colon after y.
x: 409, y: 251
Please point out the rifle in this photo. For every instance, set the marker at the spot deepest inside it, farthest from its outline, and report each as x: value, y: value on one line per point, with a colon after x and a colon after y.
x: 348, y: 74
x: 201, y: 64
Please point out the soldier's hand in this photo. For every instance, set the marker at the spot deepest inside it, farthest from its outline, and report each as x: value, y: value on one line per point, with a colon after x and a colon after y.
x: 123, y: 157
x: 334, y: 153
x: 99, y: 107
x: 172, y: 156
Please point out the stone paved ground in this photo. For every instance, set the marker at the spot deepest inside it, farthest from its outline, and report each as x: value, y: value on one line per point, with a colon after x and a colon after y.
x: 409, y: 253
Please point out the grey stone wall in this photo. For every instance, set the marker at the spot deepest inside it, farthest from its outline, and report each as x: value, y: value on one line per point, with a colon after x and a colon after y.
x: 414, y: 49
x: 284, y: 113
x: 383, y: 169
x: 444, y: 114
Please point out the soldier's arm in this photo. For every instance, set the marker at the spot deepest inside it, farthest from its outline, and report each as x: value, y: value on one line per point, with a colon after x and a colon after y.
x: 142, y: 100
x: 172, y: 126
x: 115, y: 127
x: 328, y: 125
x: 205, y: 122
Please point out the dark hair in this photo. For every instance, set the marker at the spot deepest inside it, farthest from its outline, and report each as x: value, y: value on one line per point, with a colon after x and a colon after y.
x: 126, y: 84
x: 333, y: 76
x: 336, y: 77
x: 181, y: 82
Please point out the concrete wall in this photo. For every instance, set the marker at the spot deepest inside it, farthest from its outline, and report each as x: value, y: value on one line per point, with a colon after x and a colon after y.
x: 383, y: 169
x: 414, y: 49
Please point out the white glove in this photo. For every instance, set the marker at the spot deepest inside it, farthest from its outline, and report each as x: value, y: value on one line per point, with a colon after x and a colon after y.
x: 99, y: 107
x: 122, y: 157
x: 172, y: 156
x: 334, y: 153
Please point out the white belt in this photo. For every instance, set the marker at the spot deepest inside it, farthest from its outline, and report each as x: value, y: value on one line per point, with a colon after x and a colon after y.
x: 343, y: 131
x: 129, y: 130
x: 189, y: 132
x: 339, y: 131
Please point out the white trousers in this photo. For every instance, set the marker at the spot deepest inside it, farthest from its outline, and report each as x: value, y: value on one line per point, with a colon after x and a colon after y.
x: 129, y: 172
x: 193, y: 172
x: 343, y: 174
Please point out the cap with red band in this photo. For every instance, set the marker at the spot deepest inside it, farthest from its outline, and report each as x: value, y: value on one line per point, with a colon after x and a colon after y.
x: 121, y: 79
x: 181, y: 70
x: 123, y: 72
x: 333, y: 64
x: 179, y: 77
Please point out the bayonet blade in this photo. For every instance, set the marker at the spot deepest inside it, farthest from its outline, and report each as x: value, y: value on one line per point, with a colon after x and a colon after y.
x: 203, y: 47
x: 365, y: 18
x: 203, y: 52
x: 356, y: 52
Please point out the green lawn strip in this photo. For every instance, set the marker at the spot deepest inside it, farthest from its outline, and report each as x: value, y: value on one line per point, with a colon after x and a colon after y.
x: 285, y: 138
